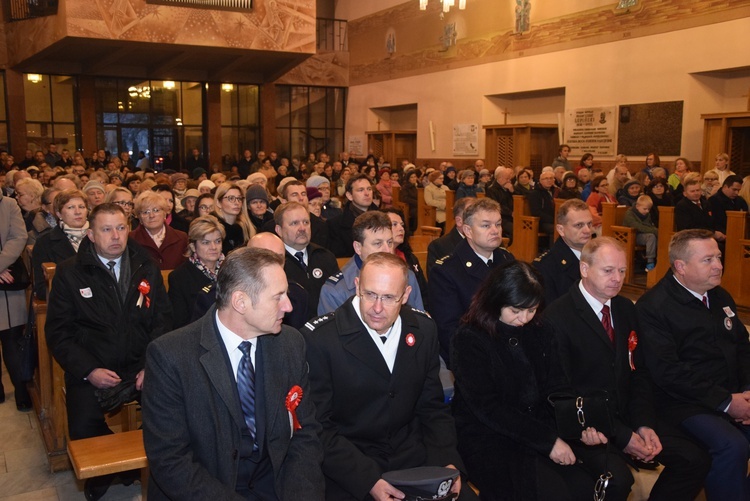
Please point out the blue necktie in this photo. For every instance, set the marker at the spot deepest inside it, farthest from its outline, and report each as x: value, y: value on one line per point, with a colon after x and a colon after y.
x: 246, y: 386
x: 301, y: 258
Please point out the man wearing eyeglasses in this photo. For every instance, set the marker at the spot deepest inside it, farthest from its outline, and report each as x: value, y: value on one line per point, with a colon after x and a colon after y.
x: 374, y: 381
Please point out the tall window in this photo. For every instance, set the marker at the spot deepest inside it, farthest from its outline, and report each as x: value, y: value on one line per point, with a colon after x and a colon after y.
x: 50, y: 111
x: 152, y: 116
x: 240, y: 119
x: 310, y: 120
x: 4, y: 143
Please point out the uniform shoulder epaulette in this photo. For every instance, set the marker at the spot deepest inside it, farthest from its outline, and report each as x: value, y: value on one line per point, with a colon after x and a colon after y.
x: 443, y: 259
x: 334, y: 279
x: 539, y: 258
x: 423, y: 313
x: 312, y: 324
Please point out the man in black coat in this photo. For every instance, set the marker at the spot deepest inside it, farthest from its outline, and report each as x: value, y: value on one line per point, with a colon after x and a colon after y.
x: 106, y: 305
x: 698, y: 353
x: 560, y: 265
x: 374, y: 380
x: 501, y: 191
x: 597, y: 334
x: 542, y: 203
x: 445, y: 245
x: 692, y: 212
x: 454, y: 280
x: 306, y: 263
x: 359, y: 194
x: 727, y: 198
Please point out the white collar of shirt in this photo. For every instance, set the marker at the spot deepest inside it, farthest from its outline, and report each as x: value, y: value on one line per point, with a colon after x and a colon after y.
x: 695, y: 294
x: 293, y: 251
x: 485, y: 259
x: 576, y: 252
x: 232, y: 344
x: 595, y: 304
x: 117, y: 261
x: 390, y: 347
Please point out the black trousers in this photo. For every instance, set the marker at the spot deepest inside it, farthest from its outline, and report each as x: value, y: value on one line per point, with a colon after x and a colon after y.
x: 85, y: 416
x: 10, y: 340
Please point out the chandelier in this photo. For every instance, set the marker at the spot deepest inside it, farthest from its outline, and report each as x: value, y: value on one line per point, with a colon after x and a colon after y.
x: 447, y: 4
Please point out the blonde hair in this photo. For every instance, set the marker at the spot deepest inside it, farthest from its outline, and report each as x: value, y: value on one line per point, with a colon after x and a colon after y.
x: 150, y: 199
x: 745, y: 190
x: 35, y: 187
x: 199, y: 228
x: 243, y: 219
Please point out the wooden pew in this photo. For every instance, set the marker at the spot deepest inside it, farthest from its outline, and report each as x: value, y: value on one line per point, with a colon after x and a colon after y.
x: 450, y: 200
x: 398, y: 204
x: 97, y: 456
x: 666, y: 230
x: 737, y: 258
x: 419, y: 244
x: 612, y: 216
x: 525, y: 231
x: 425, y: 213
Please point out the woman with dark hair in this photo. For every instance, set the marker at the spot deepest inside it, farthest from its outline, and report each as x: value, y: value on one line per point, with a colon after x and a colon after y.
x: 569, y: 188
x: 372, y: 173
x: 403, y: 250
x: 523, y: 184
x: 587, y: 162
x: 173, y: 220
x: 658, y: 190
x: 204, y: 205
x: 506, y: 364
x: 599, y: 194
x: 652, y: 160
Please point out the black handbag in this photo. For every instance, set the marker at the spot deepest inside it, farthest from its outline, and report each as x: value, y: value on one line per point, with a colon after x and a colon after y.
x: 112, y: 398
x: 575, y: 413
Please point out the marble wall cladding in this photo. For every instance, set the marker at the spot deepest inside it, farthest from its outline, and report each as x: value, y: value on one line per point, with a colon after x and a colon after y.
x: 272, y: 25
x: 371, y: 63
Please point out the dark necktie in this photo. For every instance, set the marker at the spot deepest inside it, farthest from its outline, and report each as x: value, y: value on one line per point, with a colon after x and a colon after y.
x: 111, y: 266
x: 607, y: 323
x: 705, y: 301
x: 246, y: 386
x: 384, y: 339
x: 301, y: 258
x: 489, y: 262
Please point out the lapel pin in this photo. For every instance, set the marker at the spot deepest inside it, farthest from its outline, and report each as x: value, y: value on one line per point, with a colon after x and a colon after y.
x: 468, y: 264
x: 410, y: 339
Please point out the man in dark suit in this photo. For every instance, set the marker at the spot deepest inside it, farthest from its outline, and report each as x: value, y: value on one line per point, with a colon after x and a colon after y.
x: 559, y: 266
x: 454, y: 280
x: 727, y: 198
x: 306, y: 263
x: 445, y: 245
x: 597, y: 334
x: 501, y: 191
x: 542, y: 203
x: 692, y: 212
x: 227, y: 412
x: 359, y: 194
x: 698, y: 352
x: 374, y: 380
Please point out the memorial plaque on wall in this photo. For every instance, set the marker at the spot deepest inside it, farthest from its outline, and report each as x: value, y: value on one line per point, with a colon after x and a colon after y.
x: 650, y: 127
x: 466, y: 139
x: 591, y: 130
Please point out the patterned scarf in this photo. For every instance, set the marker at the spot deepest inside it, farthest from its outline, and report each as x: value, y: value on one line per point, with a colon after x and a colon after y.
x: 211, y: 274
x: 75, y: 235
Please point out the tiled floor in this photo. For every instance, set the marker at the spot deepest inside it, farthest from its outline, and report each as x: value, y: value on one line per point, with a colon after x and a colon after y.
x: 24, y: 474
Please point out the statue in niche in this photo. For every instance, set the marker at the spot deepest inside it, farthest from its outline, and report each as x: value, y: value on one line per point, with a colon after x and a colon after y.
x: 523, y: 11
x: 626, y: 4
x: 390, y: 43
x: 449, y: 36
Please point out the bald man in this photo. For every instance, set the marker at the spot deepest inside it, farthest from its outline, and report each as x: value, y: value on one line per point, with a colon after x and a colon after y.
x: 297, y: 294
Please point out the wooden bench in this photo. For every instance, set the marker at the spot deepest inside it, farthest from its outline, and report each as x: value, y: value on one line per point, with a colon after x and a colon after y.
x: 525, y: 231
x: 612, y: 217
x: 117, y: 453
x: 666, y: 230
x: 737, y: 258
x: 425, y: 213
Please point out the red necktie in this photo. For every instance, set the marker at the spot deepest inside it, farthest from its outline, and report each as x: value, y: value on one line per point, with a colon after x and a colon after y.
x: 705, y: 301
x: 607, y: 323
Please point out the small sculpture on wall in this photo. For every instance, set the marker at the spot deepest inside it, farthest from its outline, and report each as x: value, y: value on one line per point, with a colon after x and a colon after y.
x: 627, y: 6
x: 390, y: 42
x: 449, y: 36
x: 523, y: 19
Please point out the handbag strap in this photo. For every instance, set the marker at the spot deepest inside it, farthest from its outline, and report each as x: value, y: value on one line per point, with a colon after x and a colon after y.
x: 600, y: 487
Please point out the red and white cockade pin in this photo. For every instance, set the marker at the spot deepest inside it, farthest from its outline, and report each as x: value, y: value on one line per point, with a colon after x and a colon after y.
x: 293, y: 399
x: 144, y: 288
x: 410, y: 339
x: 632, y: 343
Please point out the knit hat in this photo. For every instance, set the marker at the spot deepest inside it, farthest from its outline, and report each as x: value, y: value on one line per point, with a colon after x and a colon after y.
x: 198, y: 172
x: 191, y: 193
x: 381, y: 171
x: 257, y: 177
x: 434, y: 175
x: 313, y: 193
x: 93, y: 185
x: 484, y: 172
x: 211, y: 185
x: 282, y: 183
x: 316, y: 181
x: 449, y: 169
x: 178, y: 177
x: 256, y: 192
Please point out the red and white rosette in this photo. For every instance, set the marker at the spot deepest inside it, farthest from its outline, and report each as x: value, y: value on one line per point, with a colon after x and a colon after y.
x: 144, y: 288
x: 293, y: 399
x: 632, y: 343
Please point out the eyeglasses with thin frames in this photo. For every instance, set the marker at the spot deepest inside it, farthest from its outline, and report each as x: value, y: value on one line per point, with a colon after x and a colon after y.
x: 233, y: 199
x: 385, y: 300
x: 148, y: 212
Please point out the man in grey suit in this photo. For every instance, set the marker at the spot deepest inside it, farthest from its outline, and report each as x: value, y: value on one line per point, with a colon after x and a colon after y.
x: 226, y: 410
